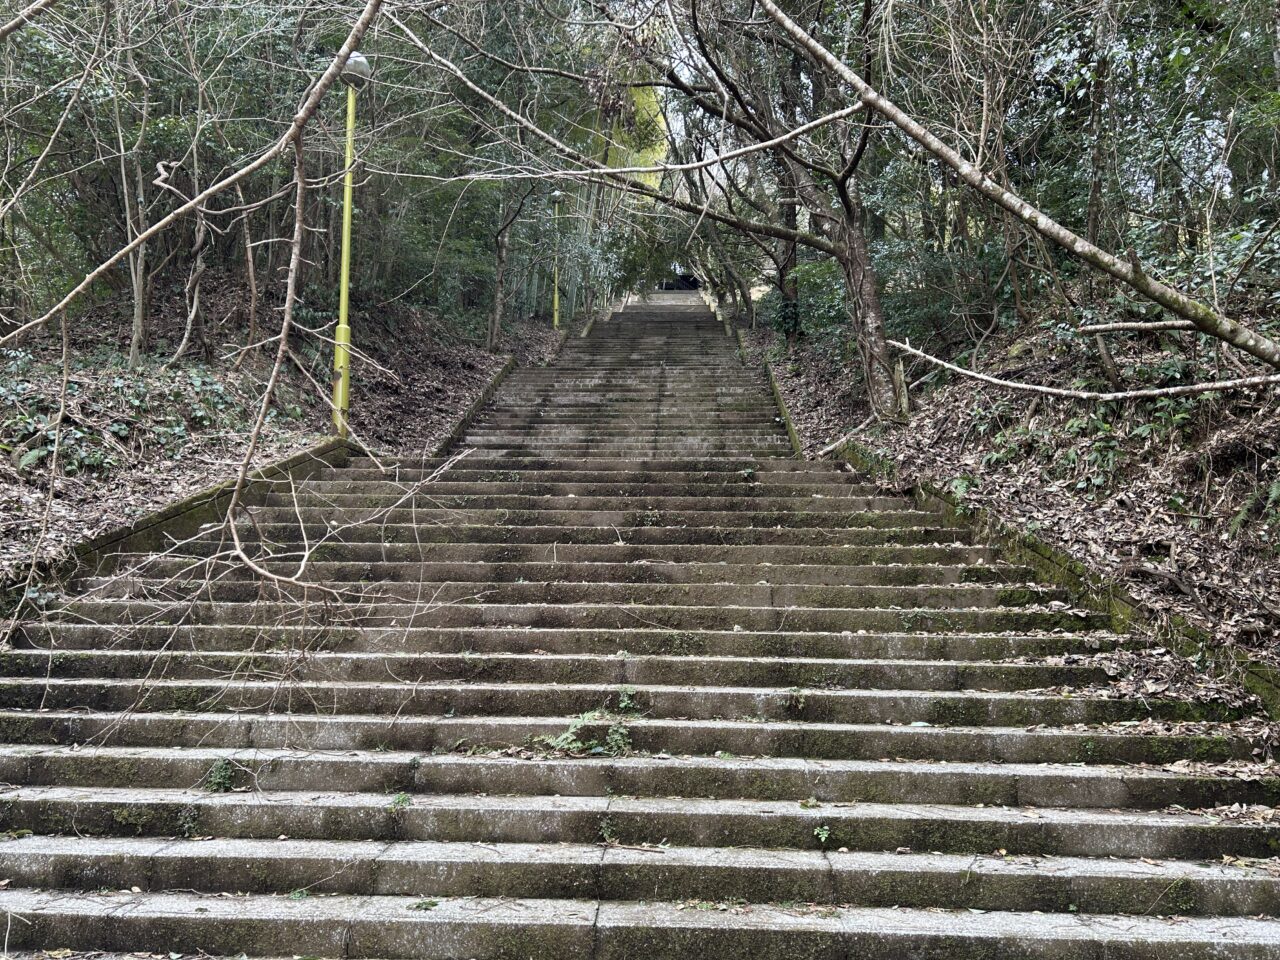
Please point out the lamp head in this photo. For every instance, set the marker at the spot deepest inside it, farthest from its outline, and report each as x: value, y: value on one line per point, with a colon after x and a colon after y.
x: 358, y: 71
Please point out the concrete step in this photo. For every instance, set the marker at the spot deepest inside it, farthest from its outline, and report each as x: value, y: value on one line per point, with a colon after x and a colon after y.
x: 464, y: 529
x: 551, y: 668
x: 572, y: 517
x: 643, y: 416
x: 548, y: 449
x: 653, y: 735
x: 634, y: 821
x: 655, y: 426
x: 619, y: 391
x: 906, y: 782
x: 647, y: 426
x: 555, y: 447
x: 494, y: 477
x: 66, y: 637
x: 429, y: 497
x: 538, y: 487
x: 697, y: 594
x: 445, y: 929
x: 584, y: 394
x: 658, y: 419
x: 614, y: 616
x: 931, y: 563
x: 609, y: 466
x: 444, y: 698
x: 646, y: 571
x: 614, y: 873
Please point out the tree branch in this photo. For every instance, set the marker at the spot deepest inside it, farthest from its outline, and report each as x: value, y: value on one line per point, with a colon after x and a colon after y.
x: 24, y: 17
x: 1130, y: 273
x: 1183, y: 391
x: 308, y: 108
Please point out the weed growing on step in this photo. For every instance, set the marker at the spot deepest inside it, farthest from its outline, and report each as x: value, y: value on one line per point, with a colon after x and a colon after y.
x: 132, y: 818
x: 608, y: 831
x: 823, y: 833
x: 568, y: 740
x: 682, y: 644
x: 796, y: 699
x: 1179, y: 898
x: 400, y: 801
x: 571, y: 742
x: 627, y: 699
x: 424, y: 905
x: 617, y: 742
x: 221, y: 777
x: 188, y: 822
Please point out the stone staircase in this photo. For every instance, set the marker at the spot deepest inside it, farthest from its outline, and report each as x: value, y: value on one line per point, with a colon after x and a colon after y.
x: 622, y: 679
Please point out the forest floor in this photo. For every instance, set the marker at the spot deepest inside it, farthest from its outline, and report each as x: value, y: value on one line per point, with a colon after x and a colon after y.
x: 134, y: 441
x: 1179, y: 500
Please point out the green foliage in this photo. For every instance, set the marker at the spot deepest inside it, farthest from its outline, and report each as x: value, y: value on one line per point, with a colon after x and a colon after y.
x: 114, y: 415
x: 1262, y: 505
x: 626, y: 699
x: 821, y: 310
x: 616, y: 742
x: 221, y: 777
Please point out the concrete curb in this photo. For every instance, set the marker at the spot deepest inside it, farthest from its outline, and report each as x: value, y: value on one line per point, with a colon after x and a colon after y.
x: 469, y: 415
x: 1056, y: 567
x: 714, y: 303
x: 179, y: 520
x: 783, y: 412
x: 1088, y: 588
x: 185, y: 517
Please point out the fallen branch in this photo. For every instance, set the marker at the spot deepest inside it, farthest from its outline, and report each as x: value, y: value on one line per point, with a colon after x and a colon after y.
x: 835, y: 444
x: 1126, y: 327
x: 1187, y: 390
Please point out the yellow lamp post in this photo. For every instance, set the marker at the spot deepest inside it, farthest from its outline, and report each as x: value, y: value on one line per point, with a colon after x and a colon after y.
x: 555, y: 263
x: 356, y: 75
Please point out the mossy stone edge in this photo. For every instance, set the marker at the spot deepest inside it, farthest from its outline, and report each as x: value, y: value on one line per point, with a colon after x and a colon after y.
x: 1059, y: 568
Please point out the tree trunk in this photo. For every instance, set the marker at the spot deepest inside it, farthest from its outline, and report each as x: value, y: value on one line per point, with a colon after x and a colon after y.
x: 1275, y: 46
x: 251, y: 275
x: 499, y: 272
x: 1098, y: 160
x: 1097, y: 129
x: 866, y: 312
x: 788, y: 286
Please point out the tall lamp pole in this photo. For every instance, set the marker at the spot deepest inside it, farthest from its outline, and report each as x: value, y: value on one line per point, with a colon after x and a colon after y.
x: 356, y: 75
x: 555, y: 264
